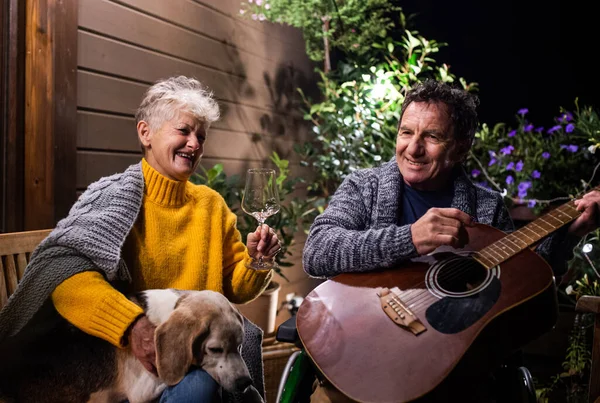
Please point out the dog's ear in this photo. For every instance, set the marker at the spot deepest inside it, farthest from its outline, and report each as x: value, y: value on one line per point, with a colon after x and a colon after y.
x: 174, y: 341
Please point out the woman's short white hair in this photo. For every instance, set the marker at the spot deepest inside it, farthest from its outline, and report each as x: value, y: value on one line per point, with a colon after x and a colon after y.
x: 167, y: 97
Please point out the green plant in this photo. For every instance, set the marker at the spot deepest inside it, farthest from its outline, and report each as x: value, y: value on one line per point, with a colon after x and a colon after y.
x: 355, y: 122
x: 582, y: 279
x: 534, y: 165
x: 573, y: 378
x: 355, y: 118
x: 286, y: 223
x: 347, y: 26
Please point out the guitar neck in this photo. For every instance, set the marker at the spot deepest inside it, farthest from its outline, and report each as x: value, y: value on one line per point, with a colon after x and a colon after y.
x: 526, y: 236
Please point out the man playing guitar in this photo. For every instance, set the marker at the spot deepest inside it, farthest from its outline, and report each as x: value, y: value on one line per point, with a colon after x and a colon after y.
x: 381, y: 217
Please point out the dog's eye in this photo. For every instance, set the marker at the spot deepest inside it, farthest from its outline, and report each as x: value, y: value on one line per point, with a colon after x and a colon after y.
x: 215, y: 350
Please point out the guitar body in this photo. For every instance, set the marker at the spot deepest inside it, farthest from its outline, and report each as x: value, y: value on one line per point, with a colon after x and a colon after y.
x: 370, y: 358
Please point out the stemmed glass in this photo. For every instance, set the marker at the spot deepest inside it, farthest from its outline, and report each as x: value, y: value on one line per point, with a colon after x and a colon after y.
x: 261, y: 200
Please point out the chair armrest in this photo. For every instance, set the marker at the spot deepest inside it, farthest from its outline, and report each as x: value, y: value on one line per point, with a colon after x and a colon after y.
x: 588, y: 303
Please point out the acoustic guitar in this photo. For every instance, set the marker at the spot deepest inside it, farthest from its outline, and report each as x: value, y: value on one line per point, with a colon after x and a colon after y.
x: 395, y: 335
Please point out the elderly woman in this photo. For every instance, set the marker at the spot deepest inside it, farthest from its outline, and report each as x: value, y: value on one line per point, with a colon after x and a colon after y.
x: 145, y: 228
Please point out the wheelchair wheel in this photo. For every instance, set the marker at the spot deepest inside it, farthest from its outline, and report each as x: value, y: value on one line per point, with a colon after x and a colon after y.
x: 297, y: 380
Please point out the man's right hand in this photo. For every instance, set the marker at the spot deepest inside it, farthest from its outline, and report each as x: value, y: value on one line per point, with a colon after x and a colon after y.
x: 440, y: 226
x: 141, y: 340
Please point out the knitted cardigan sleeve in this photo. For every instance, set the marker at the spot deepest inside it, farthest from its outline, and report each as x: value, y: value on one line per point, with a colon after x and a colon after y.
x: 90, y: 237
x: 343, y: 238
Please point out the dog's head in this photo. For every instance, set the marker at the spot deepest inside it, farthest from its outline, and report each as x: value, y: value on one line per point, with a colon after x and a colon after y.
x: 206, y: 330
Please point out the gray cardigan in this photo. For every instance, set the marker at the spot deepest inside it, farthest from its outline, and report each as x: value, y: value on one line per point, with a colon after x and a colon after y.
x: 92, y: 235
x: 359, y: 229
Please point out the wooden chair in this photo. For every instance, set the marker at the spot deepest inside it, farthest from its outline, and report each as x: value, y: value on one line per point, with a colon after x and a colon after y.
x: 15, y: 250
x: 591, y: 304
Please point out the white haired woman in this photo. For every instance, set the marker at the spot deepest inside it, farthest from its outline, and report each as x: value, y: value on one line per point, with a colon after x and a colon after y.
x: 149, y: 227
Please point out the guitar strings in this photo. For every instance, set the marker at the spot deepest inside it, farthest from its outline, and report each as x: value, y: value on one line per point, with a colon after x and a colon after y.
x: 454, y: 269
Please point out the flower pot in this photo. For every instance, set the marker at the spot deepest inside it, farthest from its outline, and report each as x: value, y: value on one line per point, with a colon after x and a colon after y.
x: 263, y: 310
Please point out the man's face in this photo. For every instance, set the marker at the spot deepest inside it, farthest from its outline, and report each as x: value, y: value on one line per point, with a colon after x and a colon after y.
x: 176, y: 147
x: 425, y: 148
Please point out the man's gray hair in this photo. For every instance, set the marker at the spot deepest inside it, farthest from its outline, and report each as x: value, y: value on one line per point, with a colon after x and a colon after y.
x: 166, y: 97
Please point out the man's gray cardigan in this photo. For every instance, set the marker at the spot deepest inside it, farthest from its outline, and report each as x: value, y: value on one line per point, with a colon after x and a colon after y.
x: 91, y: 238
x: 359, y: 230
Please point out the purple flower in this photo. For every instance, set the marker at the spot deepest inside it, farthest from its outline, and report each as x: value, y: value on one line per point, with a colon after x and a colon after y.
x: 524, y: 185
x: 492, y: 162
x: 523, y: 111
x: 507, y: 150
x: 509, y: 179
x: 539, y: 129
x: 545, y: 155
x: 528, y: 128
x: 531, y: 203
x: 553, y: 129
x: 510, y: 165
x: 570, y: 127
x: 519, y: 167
x: 571, y: 147
x: 492, y: 153
x: 536, y: 174
x: 512, y: 133
x: 522, y: 193
x: 565, y: 117
x: 475, y: 173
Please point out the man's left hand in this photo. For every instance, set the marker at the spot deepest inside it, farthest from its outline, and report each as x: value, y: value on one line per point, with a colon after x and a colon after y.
x: 588, y: 221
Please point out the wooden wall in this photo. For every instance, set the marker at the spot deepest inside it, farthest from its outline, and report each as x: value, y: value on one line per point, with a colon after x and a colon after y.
x: 253, y: 68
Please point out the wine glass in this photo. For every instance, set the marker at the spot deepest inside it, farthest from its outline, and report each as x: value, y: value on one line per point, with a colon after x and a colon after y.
x: 261, y: 200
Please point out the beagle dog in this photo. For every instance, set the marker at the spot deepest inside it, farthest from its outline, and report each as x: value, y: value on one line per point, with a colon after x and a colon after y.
x: 193, y: 328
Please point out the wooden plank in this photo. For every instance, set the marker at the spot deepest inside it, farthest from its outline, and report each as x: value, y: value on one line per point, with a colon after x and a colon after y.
x: 106, y: 55
x: 3, y: 288
x: 50, y: 118
x: 594, y: 379
x: 101, y: 131
x: 106, y: 132
x: 12, y: 100
x: 21, y: 242
x: 226, y: 29
x: 21, y: 264
x: 109, y: 94
x: 117, y: 21
x: 65, y: 107
x: 588, y: 303
x: 39, y: 119
x: 10, y: 271
x: 93, y: 165
x: 95, y: 91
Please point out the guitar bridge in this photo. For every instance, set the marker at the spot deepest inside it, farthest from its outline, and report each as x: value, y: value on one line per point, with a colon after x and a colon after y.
x: 398, y: 312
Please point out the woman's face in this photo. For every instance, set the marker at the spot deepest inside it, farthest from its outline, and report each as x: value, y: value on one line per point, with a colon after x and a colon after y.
x: 176, y: 147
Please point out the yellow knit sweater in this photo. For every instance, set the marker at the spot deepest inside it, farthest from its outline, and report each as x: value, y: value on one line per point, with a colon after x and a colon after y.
x: 185, y: 237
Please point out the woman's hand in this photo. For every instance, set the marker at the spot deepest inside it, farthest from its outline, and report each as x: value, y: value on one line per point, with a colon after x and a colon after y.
x: 263, y: 243
x: 141, y: 340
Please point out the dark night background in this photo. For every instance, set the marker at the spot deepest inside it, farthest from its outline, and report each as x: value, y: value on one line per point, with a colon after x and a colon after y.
x: 524, y: 54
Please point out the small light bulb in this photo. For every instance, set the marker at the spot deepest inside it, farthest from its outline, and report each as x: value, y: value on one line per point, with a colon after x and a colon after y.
x: 587, y: 248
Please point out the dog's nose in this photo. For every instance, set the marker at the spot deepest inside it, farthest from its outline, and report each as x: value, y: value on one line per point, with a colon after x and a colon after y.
x: 242, y: 383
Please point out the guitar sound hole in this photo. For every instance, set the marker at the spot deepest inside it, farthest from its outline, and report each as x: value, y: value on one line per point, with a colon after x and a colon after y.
x: 461, y: 274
